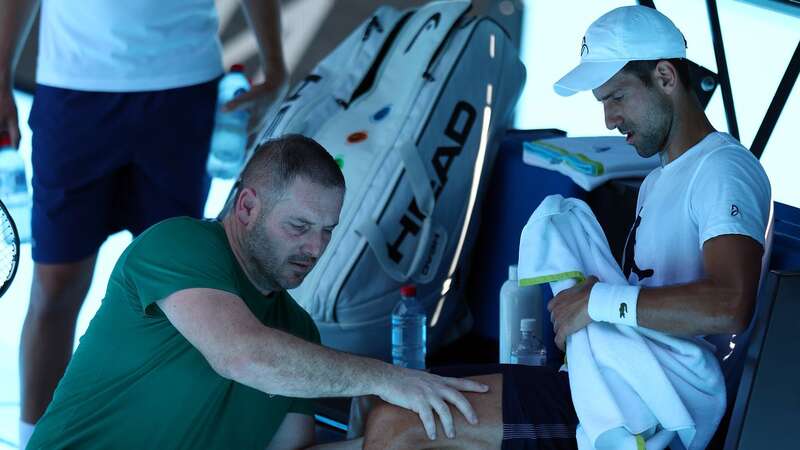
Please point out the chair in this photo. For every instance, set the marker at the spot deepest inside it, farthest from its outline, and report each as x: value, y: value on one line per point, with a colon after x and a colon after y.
x: 767, y: 406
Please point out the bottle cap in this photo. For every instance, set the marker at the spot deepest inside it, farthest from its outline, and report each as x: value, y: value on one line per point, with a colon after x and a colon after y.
x: 512, y: 272
x: 237, y: 68
x: 408, y: 290
x: 527, y: 324
x: 5, y: 140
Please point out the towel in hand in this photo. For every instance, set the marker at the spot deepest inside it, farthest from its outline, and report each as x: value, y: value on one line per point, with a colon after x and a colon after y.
x: 631, y: 387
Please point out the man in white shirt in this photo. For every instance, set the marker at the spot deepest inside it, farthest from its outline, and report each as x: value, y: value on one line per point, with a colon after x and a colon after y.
x: 121, y: 121
x: 693, y: 256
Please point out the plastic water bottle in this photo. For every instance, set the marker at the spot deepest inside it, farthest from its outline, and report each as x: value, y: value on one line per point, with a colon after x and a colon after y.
x: 409, y: 333
x: 517, y: 302
x: 229, y: 137
x: 14, y: 187
x: 529, y: 351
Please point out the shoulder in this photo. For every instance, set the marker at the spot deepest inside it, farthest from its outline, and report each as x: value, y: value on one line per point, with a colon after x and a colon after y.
x: 725, y: 154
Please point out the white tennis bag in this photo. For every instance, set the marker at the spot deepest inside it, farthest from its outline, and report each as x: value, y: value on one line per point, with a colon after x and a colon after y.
x: 410, y: 105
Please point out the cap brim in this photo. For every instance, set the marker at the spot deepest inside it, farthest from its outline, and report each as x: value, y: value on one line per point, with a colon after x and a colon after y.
x: 587, y: 76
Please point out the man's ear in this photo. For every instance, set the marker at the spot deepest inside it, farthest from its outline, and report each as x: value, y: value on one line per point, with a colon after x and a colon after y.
x: 665, y: 77
x: 247, y: 206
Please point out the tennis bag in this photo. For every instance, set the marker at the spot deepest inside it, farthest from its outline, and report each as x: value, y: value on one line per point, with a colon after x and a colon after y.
x: 411, y: 105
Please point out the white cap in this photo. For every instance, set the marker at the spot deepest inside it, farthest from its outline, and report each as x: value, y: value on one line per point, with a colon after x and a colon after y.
x: 628, y: 33
x: 527, y: 324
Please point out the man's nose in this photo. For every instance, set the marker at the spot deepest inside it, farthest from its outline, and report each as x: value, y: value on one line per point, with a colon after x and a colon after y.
x: 613, y: 119
x: 315, y: 244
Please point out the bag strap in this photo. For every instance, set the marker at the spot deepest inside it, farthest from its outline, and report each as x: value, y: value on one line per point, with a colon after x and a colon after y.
x: 417, y: 177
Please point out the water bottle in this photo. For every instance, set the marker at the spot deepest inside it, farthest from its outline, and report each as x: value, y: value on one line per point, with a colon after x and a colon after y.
x: 529, y: 351
x: 229, y: 137
x: 409, y: 331
x: 516, y: 303
x: 14, y: 187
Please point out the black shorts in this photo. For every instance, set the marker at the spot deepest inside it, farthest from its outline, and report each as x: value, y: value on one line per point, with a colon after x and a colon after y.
x: 109, y: 161
x: 537, y: 406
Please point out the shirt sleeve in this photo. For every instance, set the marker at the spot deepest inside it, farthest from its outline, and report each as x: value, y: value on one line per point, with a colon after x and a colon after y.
x: 175, y: 255
x: 730, y: 194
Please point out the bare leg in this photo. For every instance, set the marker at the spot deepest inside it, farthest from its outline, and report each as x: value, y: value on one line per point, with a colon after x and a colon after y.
x: 390, y: 427
x: 48, y: 332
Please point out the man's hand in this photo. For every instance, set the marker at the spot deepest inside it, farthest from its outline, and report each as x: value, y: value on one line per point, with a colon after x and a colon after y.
x: 424, y: 393
x: 569, y: 310
x: 259, y: 98
x: 8, y: 116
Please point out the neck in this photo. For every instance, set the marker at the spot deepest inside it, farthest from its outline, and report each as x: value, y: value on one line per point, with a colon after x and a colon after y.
x: 689, y: 126
x: 234, y: 231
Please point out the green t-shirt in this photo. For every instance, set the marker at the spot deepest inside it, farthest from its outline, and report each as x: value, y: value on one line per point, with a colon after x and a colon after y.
x: 136, y: 382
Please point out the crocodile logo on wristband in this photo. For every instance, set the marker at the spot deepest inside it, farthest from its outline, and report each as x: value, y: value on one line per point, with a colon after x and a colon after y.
x: 623, y: 308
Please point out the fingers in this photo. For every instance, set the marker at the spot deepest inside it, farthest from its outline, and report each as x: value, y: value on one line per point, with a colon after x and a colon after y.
x: 428, y: 422
x: 259, y: 92
x: 444, y: 416
x: 462, y: 404
x: 464, y: 384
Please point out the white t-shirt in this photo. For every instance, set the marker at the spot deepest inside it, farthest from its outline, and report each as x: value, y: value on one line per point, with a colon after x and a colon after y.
x: 715, y: 188
x: 128, y: 45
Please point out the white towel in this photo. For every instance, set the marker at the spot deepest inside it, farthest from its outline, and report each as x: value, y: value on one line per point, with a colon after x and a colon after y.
x: 589, y: 161
x: 632, y: 387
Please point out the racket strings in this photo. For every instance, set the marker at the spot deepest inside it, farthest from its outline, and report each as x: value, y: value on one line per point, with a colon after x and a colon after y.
x: 8, y: 248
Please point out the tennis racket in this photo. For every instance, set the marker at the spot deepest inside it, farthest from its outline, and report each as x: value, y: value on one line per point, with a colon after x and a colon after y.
x: 9, y: 249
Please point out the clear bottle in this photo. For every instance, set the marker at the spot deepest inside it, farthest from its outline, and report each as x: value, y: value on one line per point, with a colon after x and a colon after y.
x: 516, y: 303
x: 14, y: 187
x: 409, y: 332
x: 229, y: 137
x: 529, y: 351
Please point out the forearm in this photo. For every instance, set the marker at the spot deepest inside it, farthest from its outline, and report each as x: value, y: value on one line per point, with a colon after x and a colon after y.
x: 264, y: 17
x: 276, y: 362
x: 16, y: 17
x: 694, y: 309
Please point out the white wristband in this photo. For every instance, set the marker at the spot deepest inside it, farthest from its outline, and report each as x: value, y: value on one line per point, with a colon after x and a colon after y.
x: 614, y: 303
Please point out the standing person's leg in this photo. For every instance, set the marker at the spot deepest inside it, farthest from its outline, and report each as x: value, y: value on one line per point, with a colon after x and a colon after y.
x: 48, y: 332
x: 76, y: 152
x: 526, y: 408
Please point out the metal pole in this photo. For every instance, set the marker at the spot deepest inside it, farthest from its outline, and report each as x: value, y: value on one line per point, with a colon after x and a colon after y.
x: 777, y: 104
x: 722, y: 69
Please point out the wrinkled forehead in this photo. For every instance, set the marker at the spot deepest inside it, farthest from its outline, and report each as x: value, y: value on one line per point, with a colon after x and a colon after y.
x: 311, y: 202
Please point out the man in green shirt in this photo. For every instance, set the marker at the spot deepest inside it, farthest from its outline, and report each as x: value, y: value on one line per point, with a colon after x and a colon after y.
x: 197, y: 344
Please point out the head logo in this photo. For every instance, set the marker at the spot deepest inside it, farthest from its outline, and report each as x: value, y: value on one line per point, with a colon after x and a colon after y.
x: 734, y: 210
x: 584, y: 47
x: 623, y: 309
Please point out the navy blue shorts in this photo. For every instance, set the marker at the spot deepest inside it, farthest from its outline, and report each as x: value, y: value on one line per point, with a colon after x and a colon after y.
x: 538, y: 413
x: 105, y: 162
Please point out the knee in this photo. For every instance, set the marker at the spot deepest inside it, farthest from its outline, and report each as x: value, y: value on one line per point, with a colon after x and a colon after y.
x: 58, y: 290
x: 391, y: 427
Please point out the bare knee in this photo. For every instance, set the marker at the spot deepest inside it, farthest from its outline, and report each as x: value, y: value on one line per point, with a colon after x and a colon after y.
x: 59, y: 289
x: 391, y: 427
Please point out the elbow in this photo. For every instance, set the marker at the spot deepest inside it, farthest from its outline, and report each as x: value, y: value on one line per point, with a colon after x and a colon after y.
x: 227, y: 366
x: 740, y: 313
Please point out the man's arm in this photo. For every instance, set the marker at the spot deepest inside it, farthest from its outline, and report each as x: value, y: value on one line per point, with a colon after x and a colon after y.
x: 264, y: 17
x: 240, y: 348
x: 16, y: 17
x: 720, y: 303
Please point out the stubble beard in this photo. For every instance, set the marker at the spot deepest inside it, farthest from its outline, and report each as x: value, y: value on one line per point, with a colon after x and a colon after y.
x: 658, y: 124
